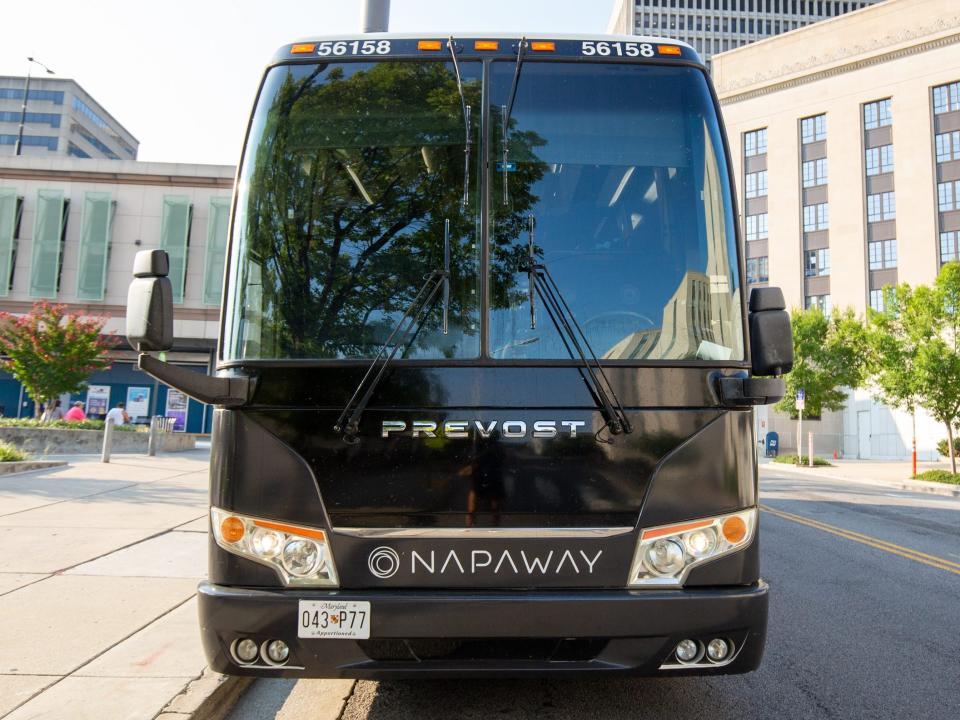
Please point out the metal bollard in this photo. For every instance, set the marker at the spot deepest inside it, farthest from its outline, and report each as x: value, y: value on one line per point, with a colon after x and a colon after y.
x: 810, y: 449
x: 152, y: 439
x: 107, y: 441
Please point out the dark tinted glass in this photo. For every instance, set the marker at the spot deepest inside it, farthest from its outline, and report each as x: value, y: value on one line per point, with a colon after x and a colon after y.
x: 619, y: 169
x: 351, y: 173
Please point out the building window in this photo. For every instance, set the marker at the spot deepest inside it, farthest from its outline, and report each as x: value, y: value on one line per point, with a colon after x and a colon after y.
x: 818, y: 262
x: 820, y: 302
x: 881, y: 206
x: 175, y: 239
x: 48, y: 141
x: 813, y: 129
x: 757, y: 184
x: 755, y: 142
x: 757, y: 227
x: 74, y: 151
x: 54, y: 96
x: 948, y: 146
x: 9, y: 211
x: 757, y: 270
x: 95, y: 230
x: 879, y: 159
x: 948, y: 196
x: 49, y: 226
x: 877, y: 114
x: 816, y: 217
x: 946, y: 98
x: 876, y: 300
x: 93, y: 140
x: 948, y: 247
x: 815, y: 173
x: 882, y: 254
x: 218, y: 219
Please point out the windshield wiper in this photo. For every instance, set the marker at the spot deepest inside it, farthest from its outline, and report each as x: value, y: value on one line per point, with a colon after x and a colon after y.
x: 575, y: 340
x: 468, y: 141
x: 407, y: 326
x: 506, y: 111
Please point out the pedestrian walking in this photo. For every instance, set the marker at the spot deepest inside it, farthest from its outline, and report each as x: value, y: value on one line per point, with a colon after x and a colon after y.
x: 52, y: 412
x: 118, y: 415
x: 76, y: 413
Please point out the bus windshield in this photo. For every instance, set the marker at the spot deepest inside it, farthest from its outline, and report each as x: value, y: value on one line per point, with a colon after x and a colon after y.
x: 612, y: 175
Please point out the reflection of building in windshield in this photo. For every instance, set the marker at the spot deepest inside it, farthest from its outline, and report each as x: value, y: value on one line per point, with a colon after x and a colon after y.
x: 700, y: 320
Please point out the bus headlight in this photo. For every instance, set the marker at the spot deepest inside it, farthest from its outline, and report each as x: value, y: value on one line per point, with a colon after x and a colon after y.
x: 665, y: 554
x: 299, y: 555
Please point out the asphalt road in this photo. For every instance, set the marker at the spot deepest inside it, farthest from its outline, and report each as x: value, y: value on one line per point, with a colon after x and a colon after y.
x: 864, y: 623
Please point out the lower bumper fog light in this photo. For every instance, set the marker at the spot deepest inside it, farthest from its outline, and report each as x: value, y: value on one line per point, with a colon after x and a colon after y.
x: 718, y: 650
x: 277, y: 652
x: 687, y: 651
x: 245, y: 651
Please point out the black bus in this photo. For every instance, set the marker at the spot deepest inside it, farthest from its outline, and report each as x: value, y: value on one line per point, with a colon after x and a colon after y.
x: 487, y: 367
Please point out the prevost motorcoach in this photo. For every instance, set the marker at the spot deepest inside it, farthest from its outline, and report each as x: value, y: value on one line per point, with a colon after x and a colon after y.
x: 487, y: 368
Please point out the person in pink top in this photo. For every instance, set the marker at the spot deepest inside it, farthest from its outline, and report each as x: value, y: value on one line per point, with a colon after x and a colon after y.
x: 75, y: 414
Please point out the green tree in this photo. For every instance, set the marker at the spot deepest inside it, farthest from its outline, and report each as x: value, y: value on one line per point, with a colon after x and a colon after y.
x: 51, y: 351
x: 829, y: 354
x: 915, y: 349
x: 894, y: 336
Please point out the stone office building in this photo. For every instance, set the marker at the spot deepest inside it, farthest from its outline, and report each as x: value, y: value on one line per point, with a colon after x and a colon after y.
x: 69, y: 230
x: 845, y: 138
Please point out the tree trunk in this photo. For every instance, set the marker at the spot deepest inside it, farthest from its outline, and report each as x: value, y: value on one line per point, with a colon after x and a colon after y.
x: 953, y: 459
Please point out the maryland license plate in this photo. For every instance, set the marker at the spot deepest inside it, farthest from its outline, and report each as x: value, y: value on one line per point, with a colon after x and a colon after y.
x: 332, y: 619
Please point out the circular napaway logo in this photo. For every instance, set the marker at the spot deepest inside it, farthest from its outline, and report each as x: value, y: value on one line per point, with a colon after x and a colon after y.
x: 384, y: 562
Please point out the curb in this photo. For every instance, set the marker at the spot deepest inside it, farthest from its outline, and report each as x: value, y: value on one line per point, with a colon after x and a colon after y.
x: 22, y: 466
x: 920, y: 486
x: 210, y: 697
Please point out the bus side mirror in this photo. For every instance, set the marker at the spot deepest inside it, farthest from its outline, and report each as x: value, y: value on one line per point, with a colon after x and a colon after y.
x: 150, y: 302
x: 771, y: 341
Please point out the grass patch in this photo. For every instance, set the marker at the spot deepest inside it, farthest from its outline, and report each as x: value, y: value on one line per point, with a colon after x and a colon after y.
x: 793, y: 460
x: 8, y: 453
x: 940, y: 476
x: 66, y: 425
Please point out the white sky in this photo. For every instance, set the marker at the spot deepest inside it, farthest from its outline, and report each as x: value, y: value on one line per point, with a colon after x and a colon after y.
x: 180, y: 75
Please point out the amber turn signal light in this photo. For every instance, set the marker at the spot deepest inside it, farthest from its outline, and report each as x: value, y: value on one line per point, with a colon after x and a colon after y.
x: 734, y: 529
x: 232, y: 529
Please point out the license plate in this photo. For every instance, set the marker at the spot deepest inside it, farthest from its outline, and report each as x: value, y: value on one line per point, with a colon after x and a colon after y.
x: 332, y: 619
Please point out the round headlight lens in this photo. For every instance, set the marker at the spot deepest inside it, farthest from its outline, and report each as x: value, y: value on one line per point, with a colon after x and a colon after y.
x: 665, y: 557
x: 245, y: 650
x: 302, y: 558
x: 687, y: 650
x: 700, y: 543
x: 266, y: 543
x: 718, y: 649
x: 278, y: 651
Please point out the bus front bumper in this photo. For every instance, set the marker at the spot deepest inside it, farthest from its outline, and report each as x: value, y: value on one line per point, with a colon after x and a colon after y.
x: 491, y: 634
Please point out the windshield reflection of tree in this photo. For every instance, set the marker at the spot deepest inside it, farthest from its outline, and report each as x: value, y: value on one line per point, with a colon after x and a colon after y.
x: 353, y: 182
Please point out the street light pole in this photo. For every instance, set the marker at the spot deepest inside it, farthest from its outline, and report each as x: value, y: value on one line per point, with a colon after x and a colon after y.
x: 376, y: 16
x: 26, y: 94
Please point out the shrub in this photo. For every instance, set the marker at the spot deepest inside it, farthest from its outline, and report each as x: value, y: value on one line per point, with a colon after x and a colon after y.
x: 8, y: 453
x: 941, y: 476
x: 944, y: 450
x: 793, y: 460
x: 66, y: 425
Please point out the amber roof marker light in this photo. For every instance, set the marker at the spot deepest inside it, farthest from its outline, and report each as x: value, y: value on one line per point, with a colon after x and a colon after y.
x: 669, y: 50
x: 429, y: 45
x: 302, y: 48
x: 543, y: 46
x: 486, y: 45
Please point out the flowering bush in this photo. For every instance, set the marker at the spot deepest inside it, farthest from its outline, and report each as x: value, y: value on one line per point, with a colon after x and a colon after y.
x: 51, y: 351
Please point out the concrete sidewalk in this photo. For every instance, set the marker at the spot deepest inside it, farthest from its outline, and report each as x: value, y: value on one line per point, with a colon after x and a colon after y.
x: 873, y: 472
x: 98, y: 572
